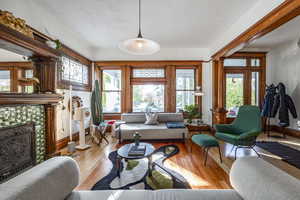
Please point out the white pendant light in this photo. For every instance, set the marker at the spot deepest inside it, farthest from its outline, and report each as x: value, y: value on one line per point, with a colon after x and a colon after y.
x: 139, y: 45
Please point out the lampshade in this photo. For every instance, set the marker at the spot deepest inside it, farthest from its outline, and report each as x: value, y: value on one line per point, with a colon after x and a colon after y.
x: 139, y: 46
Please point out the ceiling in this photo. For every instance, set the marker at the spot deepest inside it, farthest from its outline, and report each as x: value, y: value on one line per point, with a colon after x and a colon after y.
x: 7, y: 56
x: 172, y: 23
x: 286, y: 33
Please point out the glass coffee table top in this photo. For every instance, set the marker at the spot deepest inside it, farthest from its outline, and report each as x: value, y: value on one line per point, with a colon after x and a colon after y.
x: 123, y: 151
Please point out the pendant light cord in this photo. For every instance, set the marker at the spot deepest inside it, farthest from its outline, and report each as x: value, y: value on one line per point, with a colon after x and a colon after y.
x: 140, y: 31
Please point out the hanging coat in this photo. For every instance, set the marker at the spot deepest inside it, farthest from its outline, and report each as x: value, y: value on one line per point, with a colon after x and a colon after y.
x: 284, y: 104
x: 268, y: 102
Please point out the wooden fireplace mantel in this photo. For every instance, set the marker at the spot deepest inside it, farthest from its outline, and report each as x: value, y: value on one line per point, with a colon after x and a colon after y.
x: 19, y: 98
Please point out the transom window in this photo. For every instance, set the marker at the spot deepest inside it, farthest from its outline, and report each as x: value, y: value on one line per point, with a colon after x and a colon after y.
x: 111, y: 99
x: 74, y: 71
x: 148, y: 73
x: 185, y: 87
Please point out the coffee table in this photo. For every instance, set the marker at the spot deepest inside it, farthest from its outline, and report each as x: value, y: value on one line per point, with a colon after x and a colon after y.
x: 123, y: 154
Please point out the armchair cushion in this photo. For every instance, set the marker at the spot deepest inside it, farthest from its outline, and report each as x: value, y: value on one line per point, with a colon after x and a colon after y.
x: 227, y: 128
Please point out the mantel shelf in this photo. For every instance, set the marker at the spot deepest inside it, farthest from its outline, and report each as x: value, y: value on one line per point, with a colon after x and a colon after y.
x: 21, y: 98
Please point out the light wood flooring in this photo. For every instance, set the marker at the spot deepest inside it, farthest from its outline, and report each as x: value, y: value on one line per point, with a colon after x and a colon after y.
x: 94, y: 163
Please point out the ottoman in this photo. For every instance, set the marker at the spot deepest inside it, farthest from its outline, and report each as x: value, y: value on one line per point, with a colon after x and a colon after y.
x: 206, y: 142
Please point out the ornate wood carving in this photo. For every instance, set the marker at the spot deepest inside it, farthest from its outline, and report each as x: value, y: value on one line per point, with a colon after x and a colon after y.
x: 18, y: 24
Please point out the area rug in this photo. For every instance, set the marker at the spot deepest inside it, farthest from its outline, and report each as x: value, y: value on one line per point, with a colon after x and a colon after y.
x: 134, y: 173
x: 288, y: 154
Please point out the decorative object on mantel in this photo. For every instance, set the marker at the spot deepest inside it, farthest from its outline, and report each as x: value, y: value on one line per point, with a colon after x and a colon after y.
x: 35, y: 82
x: 18, y: 24
x: 139, y: 45
x: 55, y: 44
x: 192, y: 112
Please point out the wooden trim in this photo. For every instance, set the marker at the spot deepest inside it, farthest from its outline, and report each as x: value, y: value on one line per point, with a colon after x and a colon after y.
x: 62, y: 143
x: 147, y: 63
x: 19, y: 43
x: 287, y: 131
x: 26, y: 65
x: 17, y: 98
x: 285, y: 12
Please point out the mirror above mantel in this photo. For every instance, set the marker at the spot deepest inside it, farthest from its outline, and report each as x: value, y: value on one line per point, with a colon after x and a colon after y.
x: 16, y: 73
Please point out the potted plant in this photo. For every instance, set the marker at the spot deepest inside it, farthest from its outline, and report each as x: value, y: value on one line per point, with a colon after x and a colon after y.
x: 191, y: 112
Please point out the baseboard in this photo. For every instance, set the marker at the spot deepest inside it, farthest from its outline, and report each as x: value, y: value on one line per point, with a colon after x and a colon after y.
x: 64, y: 141
x: 287, y: 131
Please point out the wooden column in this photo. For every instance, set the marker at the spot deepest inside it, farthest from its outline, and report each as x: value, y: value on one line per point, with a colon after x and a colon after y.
x: 218, y: 111
x: 46, y: 72
x: 170, y: 97
x: 50, y: 128
x: 126, y: 90
x: 198, y: 82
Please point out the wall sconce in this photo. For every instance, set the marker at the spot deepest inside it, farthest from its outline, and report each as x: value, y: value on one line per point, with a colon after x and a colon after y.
x: 198, y: 91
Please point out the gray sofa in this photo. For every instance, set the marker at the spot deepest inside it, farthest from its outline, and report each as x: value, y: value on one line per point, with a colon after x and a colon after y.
x: 55, y: 179
x: 135, y: 122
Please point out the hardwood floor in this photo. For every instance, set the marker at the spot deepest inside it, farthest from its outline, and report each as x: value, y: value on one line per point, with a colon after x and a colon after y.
x: 94, y: 163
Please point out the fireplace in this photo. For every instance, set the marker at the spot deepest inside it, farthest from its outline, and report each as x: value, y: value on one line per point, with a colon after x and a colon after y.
x: 17, y: 149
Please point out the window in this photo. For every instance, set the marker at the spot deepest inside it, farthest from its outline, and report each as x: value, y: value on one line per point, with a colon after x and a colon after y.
x: 4, y: 81
x: 234, y: 93
x: 235, y: 62
x: 148, y: 98
x: 255, y: 62
x: 243, y: 84
x: 74, y: 71
x: 185, y: 87
x: 111, y: 99
x: 255, y: 88
x: 148, y: 73
x: 28, y: 73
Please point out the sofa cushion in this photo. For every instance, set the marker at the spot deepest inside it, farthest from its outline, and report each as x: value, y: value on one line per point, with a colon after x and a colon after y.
x: 151, y: 118
x: 175, y: 125
x: 133, y: 117
x: 53, y: 179
x: 155, y: 195
x: 170, y: 117
x: 254, y: 178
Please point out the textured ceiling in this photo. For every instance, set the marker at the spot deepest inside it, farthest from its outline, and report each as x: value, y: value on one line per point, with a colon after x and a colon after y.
x: 173, y: 23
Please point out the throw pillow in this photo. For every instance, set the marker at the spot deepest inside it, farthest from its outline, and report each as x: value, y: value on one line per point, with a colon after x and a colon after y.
x: 151, y: 118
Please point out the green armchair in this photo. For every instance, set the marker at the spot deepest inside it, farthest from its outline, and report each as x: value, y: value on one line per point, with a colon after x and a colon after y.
x: 243, y: 131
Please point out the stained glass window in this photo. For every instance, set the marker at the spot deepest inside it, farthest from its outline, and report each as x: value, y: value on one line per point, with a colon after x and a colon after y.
x: 74, y: 71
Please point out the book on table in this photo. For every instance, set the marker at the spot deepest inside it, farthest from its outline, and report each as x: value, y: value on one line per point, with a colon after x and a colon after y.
x: 137, y: 150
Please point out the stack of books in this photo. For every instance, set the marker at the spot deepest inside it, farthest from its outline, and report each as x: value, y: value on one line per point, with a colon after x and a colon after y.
x: 137, y: 150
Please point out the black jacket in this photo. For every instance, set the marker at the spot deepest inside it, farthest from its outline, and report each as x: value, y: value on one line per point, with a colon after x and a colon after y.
x: 268, y: 101
x: 284, y: 104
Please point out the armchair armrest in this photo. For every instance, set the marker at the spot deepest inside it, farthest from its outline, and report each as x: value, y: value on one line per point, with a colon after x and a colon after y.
x: 224, y: 128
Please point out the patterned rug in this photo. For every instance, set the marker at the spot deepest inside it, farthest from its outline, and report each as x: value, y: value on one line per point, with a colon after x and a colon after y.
x: 134, y: 173
x: 288, y: 154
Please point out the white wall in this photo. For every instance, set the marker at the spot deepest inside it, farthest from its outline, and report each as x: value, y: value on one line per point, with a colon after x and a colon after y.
x: 283, y: 65
x: 243, y: 22
x: 63, y: 128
